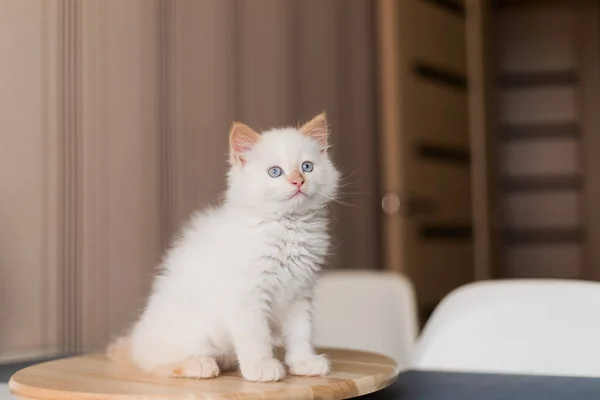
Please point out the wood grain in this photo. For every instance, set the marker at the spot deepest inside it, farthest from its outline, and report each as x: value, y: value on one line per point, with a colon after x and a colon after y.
x: 588, y: 35
x: 93, y: 377
x: 482, y: 143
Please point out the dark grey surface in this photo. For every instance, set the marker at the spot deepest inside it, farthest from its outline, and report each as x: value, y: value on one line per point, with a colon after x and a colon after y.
x: 7, y: 370
x: 426, y: 385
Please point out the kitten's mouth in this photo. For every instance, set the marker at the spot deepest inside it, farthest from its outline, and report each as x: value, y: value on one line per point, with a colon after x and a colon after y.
x: 298, y: 193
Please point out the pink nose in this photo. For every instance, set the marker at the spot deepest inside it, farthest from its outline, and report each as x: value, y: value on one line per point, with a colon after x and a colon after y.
x: 298, y: 182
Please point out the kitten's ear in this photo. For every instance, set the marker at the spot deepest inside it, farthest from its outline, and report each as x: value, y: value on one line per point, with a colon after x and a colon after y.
x: 316, y: 129
x: 241, y: 139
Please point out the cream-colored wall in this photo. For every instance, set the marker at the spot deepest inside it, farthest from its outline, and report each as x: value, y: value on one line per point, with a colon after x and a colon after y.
x: 113, y: 128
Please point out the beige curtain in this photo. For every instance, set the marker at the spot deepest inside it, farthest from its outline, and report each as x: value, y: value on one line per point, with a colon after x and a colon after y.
x: 114, y: 117
x: 273, y: 63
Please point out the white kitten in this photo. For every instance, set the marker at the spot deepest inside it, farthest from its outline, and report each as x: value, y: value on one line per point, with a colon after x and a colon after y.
x: 240, y: 279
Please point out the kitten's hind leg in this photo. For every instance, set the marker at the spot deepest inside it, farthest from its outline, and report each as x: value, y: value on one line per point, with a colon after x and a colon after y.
x: 197, y: 367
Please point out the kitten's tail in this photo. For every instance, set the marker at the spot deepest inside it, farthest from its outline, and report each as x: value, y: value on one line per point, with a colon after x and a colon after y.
x: 119, y: 351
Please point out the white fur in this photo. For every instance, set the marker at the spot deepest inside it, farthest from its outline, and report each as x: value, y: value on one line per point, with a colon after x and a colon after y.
x: 240, y: 278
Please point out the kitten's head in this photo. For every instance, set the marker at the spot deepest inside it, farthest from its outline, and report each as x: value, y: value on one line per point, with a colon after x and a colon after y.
x: 282, y: 170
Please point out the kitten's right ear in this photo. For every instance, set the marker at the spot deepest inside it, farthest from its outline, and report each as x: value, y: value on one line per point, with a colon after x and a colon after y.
x: 316, y: 129
x: 241, y: 139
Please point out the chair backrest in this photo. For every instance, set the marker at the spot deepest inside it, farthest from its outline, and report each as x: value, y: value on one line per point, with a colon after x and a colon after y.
x: 366, y: 310
x: 549, y: 327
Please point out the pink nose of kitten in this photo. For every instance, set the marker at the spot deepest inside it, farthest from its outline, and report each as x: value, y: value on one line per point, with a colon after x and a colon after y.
x: 298, y: 182
x: 296, y: 179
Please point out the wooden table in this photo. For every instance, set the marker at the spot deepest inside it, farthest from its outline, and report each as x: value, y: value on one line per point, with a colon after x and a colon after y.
x: 93, y: 377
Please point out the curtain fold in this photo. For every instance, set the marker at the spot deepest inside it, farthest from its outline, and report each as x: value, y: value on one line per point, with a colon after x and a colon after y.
x: 114, y: 120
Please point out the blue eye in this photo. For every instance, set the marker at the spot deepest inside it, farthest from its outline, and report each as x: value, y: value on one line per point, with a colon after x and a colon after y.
x: 307, y: 166
x: 275, y: 172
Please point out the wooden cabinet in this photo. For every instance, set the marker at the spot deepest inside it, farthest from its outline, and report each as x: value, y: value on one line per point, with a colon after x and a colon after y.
x: 546, y: 66
x: 427, y: 156
x: 489, y: 140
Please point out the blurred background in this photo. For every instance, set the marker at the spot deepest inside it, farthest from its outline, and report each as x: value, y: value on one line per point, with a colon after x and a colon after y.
x: 468, y: 132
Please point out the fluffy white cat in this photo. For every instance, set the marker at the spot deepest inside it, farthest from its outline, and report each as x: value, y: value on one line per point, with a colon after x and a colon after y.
x: 239, y: 281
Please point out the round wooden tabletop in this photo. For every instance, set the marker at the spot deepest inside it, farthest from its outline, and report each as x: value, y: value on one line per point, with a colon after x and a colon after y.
x: 93, y: 377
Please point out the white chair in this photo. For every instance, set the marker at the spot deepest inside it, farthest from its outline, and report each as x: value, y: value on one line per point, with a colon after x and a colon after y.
x: 366, y: 310
x: 549, y: 327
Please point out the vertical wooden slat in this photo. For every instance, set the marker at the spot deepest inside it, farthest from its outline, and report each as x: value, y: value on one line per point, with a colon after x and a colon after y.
x: 588, y: 42
x: 355, y: 136
x: 482, y: 143
x: 412, y: 79
x: 392, y: 67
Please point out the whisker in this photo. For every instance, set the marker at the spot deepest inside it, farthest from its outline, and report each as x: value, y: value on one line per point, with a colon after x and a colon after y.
x: 346, y: 176
x: 334, y: 218
x: 349, y: 184
x: 340, y: 202
x: 340, y: 194
x: 349, y: 189
x: 332, y: 215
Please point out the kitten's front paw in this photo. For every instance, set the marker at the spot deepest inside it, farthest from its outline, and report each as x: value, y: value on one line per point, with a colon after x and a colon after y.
x: 269, y: 370
x: 313, y: 365
x: 197, y: 368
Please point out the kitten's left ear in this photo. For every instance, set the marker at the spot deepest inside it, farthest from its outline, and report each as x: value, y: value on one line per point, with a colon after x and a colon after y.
x: 241, y: 139
x: 317, y: 130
